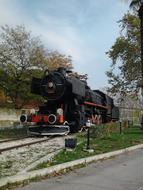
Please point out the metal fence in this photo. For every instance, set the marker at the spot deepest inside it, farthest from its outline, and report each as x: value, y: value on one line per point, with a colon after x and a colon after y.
x: 133, y: 115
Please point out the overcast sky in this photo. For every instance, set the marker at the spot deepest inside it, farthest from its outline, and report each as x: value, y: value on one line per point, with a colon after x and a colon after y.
x: 84, y: 29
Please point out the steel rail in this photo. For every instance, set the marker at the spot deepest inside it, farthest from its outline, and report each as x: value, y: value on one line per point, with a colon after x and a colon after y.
x: 22, y: 145
x: 13, y: 139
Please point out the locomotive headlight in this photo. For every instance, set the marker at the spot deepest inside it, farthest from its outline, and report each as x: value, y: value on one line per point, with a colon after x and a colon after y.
x: 50, y: 85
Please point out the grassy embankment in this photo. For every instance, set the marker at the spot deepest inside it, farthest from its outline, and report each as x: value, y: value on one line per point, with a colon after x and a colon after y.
x: 103, y: 139
x: 7, y: 133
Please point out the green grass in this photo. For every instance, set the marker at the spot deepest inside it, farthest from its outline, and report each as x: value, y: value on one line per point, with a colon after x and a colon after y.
x: 13, y: 133
x: 101, y: 144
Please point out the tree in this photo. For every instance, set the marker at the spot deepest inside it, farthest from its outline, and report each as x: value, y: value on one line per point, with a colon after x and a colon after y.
x: 21, y: 57
x: 17, y: 50
x: 19, y: 53
x: 56, y: 60
x: 135, y: 4
x: 125, y: 53
x: 125, y: 72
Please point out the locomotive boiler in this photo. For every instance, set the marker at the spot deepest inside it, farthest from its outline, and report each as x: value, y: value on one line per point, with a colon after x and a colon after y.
x: 70, y: 103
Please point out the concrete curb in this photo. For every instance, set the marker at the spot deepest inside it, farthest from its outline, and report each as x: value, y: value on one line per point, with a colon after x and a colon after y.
x: 57, y: 168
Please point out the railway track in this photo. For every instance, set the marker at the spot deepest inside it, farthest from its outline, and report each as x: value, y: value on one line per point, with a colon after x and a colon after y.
x: 15, y: 159
x: 12, y: 139
x: 19, y: 145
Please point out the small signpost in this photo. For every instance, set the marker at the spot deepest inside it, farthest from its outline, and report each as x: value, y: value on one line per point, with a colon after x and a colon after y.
x: 70, y: 143
x: 88, y: 125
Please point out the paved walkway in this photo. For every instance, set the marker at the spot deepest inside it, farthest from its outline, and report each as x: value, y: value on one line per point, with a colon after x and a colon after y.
x: 124, y: 172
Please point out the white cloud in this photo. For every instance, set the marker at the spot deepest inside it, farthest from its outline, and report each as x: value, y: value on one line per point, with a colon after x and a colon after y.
x: 63, y: 37
x: 77, y: 28
x: 56, y: 34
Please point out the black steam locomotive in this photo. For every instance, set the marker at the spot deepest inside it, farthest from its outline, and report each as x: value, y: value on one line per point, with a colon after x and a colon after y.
x: 70, y: 105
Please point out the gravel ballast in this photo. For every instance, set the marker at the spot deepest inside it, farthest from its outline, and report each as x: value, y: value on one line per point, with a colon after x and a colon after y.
x: 16, y: 160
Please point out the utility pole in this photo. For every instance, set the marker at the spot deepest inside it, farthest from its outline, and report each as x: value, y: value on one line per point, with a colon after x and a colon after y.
x: 140, y: 13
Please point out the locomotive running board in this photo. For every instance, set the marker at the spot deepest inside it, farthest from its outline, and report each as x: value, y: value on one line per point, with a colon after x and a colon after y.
x: 46, y: 130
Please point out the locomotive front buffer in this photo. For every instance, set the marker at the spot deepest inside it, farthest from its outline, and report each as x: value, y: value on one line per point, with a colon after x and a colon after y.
x: 47, y: 130
x: 45, y: 125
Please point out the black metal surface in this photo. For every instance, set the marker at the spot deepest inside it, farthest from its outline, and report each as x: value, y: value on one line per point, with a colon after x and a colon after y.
x: 120, y: 127
x: 35, y: 86
x: 48, y: 129
x: 70, y: 142
x: 88, y: 139
x: 78, y: 87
